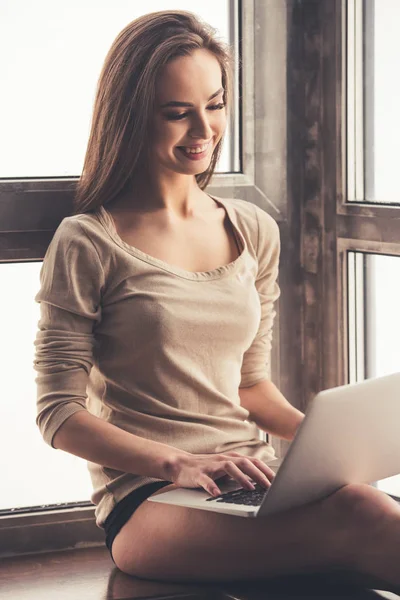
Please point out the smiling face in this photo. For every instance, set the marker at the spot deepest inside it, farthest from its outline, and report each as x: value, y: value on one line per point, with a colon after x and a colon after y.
x: 194, y: 80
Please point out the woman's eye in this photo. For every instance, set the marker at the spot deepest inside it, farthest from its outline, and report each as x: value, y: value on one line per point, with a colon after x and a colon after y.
x: 174, y: 117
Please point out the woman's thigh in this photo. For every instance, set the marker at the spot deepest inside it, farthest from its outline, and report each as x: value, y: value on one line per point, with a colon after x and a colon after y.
x: 175, y: 543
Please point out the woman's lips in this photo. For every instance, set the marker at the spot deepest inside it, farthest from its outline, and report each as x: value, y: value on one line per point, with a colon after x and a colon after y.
x: 193, y: 155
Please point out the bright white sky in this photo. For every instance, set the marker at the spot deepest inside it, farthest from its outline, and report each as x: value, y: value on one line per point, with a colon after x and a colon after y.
x: 51, y: 55
x: 386, y: 101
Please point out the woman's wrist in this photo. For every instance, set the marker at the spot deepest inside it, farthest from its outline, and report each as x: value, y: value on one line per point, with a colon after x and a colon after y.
x: 172, y: 463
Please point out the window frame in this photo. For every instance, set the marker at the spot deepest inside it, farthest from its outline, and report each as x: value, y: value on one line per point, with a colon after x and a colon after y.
x: 354, y: 312
x: 31, y: 210
x: 318, y: 173
x: 362, y: 226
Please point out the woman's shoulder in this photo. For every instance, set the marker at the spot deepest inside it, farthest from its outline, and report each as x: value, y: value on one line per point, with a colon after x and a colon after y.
x: 253, y: 220
x: 80, y: 229
x: 80, y: 235
x: 78, y: 222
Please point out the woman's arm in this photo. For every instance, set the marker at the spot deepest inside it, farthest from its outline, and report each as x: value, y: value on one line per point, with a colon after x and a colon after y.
x: 270, y: 410
x: 95, y: 440
x: 89, y: 437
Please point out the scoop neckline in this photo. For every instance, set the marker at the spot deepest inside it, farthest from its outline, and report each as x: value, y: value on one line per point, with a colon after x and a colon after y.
x: 108, y: 223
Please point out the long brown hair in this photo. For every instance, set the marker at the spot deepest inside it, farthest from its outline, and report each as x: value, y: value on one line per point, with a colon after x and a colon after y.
x: 125, y: 98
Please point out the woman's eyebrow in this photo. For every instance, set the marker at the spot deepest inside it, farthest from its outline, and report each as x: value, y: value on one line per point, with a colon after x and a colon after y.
x: 175, y: 103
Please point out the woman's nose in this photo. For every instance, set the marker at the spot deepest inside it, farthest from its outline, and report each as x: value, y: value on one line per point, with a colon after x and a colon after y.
x: 201, y: 128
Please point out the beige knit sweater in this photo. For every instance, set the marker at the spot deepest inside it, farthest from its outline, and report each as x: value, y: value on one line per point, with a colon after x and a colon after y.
x: 150, y: 347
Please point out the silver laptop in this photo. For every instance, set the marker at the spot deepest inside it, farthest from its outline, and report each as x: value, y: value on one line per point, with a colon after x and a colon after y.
x: 350, y: 434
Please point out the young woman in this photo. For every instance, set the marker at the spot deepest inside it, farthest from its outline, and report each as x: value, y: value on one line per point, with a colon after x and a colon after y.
x: 157, y: 304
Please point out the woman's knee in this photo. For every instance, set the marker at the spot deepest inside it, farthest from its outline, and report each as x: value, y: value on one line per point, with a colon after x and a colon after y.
x: 362, y: 508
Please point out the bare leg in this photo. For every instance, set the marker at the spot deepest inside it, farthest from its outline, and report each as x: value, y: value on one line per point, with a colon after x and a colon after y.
x: 357, y: 528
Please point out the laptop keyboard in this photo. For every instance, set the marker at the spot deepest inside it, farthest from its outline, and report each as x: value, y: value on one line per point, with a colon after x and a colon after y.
x: 242, y: 496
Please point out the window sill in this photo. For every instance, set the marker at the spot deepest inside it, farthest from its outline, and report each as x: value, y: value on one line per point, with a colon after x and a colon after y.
x: 49, y: 531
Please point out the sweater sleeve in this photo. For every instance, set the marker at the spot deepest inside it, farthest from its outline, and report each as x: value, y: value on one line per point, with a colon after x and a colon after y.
x: 71, y: 281
x: 255, y: 365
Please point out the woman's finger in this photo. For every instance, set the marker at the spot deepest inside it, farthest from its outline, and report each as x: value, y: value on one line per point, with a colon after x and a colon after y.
x: 238, y: 475
x: 208, y: 484
x: 270, y: 473
x: 256, y: 474
x: 266, y: 470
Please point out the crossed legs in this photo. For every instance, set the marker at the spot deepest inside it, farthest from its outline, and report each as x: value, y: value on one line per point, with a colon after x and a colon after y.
x: 355, y: 529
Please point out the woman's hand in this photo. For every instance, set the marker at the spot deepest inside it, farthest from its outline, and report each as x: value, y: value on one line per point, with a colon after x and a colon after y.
x: 200, y: 470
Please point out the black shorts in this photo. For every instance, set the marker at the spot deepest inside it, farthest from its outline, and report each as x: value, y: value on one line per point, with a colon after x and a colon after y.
x: 125, y: 509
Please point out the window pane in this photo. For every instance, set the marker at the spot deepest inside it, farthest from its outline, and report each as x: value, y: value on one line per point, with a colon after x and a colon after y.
x: 51, y: 54
x: 377, y: 279
x: 383, y: 327
x: 382, y: 314
x: 33, y: 473
x: 382, y: 99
